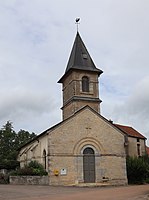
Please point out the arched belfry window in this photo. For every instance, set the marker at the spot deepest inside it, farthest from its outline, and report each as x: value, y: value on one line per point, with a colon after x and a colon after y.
x: 85, y: 84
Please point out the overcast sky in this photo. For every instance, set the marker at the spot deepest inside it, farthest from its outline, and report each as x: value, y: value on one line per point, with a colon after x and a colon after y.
x: 36, y: 38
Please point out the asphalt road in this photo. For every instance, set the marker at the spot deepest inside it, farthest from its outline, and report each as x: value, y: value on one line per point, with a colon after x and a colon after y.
x: 29, y: 192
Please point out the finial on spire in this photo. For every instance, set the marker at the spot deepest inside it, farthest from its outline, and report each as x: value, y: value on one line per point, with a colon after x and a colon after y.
x: 77, y: 23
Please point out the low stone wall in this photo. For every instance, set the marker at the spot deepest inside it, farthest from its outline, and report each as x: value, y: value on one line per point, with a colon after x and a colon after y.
x: 29, y: 180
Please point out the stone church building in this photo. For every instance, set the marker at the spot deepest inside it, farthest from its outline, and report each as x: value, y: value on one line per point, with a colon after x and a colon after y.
x: 84, y: 147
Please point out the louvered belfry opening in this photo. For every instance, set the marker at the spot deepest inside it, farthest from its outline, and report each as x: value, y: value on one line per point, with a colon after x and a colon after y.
x: 85, y: 84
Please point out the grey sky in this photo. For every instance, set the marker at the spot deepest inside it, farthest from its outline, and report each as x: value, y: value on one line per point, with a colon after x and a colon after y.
x: 36, y: 38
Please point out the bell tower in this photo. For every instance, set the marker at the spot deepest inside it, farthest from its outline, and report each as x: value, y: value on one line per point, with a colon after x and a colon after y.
x: 80, y: 81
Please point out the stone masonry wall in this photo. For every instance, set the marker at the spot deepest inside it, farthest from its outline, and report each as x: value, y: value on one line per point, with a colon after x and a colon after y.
x: 132, y: 148
x: 67, y: 142
x: 29, y: 180
x: 72, y: 87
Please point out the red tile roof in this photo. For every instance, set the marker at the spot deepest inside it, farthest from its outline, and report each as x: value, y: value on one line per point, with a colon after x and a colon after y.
x: 130, y: 131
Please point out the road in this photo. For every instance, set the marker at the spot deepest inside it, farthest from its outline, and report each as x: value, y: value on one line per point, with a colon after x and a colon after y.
x: 29, y: 192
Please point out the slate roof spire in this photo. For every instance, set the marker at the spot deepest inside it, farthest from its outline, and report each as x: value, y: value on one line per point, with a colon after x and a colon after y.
x: 80, y: 58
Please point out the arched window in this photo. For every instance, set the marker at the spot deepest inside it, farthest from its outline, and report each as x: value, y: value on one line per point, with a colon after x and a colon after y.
x: 44, y: 158
x: 85, y: 84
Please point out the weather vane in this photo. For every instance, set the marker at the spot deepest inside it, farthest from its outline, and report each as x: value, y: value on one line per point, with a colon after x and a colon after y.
x: 77, y: 23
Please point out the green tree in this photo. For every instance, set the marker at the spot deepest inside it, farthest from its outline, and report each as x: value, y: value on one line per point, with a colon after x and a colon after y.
x: 23, y: 137
x: 10, y: 141
x: 7, y: 142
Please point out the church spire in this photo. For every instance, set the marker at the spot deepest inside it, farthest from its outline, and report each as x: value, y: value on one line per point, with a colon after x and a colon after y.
x: 80, y: 58
x: 80, y: 81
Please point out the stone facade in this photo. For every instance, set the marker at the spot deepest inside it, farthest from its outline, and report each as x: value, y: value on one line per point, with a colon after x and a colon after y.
x: 36, y: 150
x: 73, y: 96
x: 86, y: 129
x: 60, y: 149
x: 135, y: 142
x: 85, y: 147
x: 67, y: 141
x: 136, y: 146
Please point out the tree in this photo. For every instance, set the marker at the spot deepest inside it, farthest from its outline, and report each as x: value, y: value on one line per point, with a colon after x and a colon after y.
x: 7, y: 142
x: 23, y: 137
x: 10, y: 141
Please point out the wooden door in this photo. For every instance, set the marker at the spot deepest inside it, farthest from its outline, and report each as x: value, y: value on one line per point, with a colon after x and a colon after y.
x: 89, y: 165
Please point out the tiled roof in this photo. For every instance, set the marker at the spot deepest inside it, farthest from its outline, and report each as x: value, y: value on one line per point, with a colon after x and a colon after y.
x: 130, y: 131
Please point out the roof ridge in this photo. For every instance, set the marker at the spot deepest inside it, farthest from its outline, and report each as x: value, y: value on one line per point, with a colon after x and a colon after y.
x: 123, y: 125
x: 130, y: 131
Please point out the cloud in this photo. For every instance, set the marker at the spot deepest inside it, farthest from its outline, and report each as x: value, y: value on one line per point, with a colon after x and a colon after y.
x: 138, y: 102
x: 21, y: 104
x: 36, y: 38
x: 134, y: 111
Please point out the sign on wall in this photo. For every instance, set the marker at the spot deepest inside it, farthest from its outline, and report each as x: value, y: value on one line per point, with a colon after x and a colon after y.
x: 63, y: 172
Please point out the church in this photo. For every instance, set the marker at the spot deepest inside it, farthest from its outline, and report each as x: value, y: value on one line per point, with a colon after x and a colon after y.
x: 85, y: 147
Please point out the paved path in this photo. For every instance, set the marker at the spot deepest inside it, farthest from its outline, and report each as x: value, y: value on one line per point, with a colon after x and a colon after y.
x: 18, y: 192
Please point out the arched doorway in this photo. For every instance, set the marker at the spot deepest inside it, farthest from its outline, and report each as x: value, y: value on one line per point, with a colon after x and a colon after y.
x: 89, y: 165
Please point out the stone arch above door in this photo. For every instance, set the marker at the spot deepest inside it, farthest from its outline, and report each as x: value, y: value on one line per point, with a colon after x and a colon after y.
x: 88, y: 142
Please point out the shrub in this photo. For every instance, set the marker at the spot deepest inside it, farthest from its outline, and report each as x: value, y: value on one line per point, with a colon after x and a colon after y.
x: 137, y: 170
x: 35, y: 165
x: 4, y: 178
x: 32, y: 169
x: 37, y: 168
